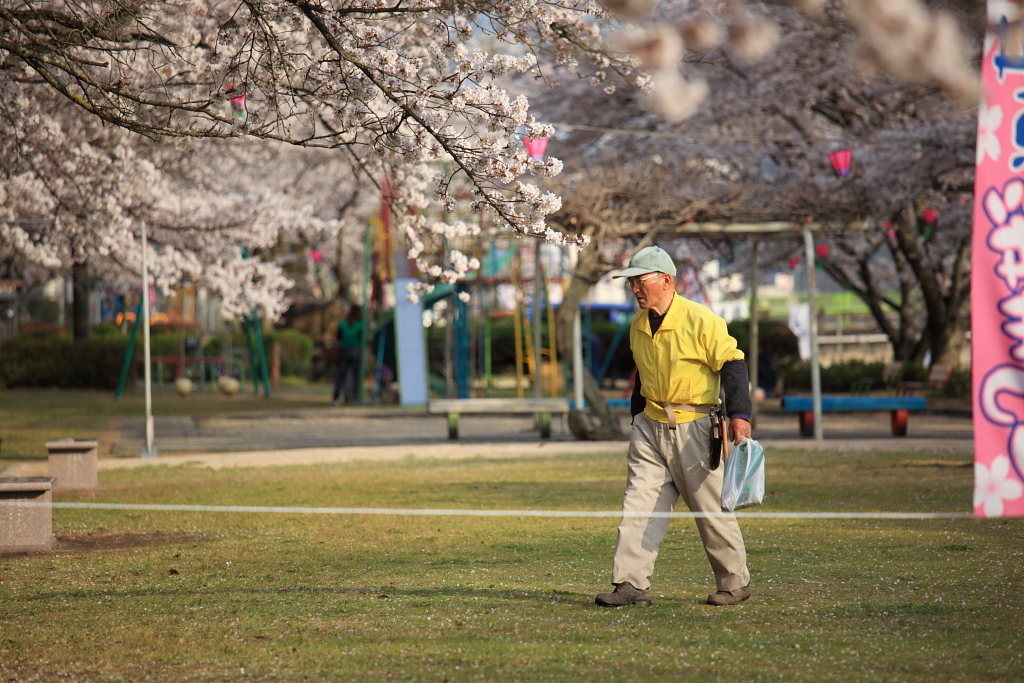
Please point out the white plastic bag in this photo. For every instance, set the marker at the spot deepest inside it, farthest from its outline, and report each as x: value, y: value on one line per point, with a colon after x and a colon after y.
x: 743, y: 480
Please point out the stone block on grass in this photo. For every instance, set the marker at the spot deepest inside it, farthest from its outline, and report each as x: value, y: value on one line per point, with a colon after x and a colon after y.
x: 74, y: 463
x: 26, y: 514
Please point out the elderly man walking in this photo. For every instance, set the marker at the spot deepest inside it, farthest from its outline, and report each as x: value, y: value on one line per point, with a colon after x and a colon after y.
x: 684, y: 355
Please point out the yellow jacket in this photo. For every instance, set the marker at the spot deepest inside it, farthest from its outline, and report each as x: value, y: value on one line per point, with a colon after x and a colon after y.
x: 681, y: 362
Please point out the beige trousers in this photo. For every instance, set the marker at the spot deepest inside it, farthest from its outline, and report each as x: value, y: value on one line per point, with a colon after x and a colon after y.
x: 664, y: 465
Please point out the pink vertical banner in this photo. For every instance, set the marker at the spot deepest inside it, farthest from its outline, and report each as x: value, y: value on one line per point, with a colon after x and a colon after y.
x: 997, y: 277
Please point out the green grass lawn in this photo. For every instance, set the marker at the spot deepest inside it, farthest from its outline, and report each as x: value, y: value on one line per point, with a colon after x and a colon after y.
x: 217, y: 596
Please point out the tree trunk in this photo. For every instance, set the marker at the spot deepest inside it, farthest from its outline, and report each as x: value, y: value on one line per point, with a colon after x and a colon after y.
x: 597, y: 423
x: 80, y: 301
x: 930, y: 306
x: 944, y: 293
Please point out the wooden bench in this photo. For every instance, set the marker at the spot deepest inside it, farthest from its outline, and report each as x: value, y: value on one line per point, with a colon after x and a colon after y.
x: 543, y: 408
x: 26, y: 514
x: 898, y: 407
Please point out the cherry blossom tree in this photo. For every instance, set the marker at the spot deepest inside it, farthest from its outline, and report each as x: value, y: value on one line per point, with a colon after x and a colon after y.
x: 410, y: 90
x: 403, y: 89
x: 73, y: 190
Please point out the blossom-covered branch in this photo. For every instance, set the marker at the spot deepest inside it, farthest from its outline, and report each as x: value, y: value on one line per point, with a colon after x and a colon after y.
x: 403, y: 85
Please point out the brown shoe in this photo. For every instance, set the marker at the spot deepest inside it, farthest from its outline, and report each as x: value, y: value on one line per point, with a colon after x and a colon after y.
x: 625, y: 594
x: 733, y: 597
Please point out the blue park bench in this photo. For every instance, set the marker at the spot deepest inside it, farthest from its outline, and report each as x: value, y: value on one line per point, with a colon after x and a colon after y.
x: 898, y: 407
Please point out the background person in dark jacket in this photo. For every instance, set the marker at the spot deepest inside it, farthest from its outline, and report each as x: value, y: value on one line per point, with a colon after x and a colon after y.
x: 350, y: 345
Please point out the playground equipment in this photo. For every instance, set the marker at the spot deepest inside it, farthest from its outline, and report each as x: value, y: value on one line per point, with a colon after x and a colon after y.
x: 200, y: 369
x: 257, y: 353
x: 535, y: 359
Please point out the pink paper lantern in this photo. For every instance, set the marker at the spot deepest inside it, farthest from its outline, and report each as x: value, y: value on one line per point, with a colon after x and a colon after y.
x: 931, y: 216
x: 535, y: 147
x: 237, y: 103
x: 841, y: 162
x: 238, y: 107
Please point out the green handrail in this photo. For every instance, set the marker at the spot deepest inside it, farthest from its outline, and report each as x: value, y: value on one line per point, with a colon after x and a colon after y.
x: 129, y: 353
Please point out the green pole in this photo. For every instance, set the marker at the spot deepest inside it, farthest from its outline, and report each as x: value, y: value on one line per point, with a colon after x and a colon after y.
x: 254, y: 339
x: 379, y: 367
x: 258, y: 334
x: 492, y: 252
x: 128, y: 354
x: 487, y: 352
x: 253, y: 360
x: 481, y: 316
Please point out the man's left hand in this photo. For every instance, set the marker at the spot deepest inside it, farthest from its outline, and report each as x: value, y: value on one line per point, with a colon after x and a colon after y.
x: 738, y: 428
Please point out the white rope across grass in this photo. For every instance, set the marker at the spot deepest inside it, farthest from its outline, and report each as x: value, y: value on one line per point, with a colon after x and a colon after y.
x: 456, y: 512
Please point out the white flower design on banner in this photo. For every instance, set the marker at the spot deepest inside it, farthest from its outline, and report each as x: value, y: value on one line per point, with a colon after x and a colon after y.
x: 989, y: 120
x: 995, y: 485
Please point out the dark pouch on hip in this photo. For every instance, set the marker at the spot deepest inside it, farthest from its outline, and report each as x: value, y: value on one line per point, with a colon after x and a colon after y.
x: 717, y: 436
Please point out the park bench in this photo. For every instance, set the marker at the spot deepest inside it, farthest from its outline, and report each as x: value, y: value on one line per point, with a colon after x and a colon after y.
x: 26, y: 515
x: 898, y: 407
x: 543, y: 408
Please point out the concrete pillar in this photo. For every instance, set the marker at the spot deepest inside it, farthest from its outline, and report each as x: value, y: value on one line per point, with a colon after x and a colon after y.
x: 73, y: 463
x: 26, y: 515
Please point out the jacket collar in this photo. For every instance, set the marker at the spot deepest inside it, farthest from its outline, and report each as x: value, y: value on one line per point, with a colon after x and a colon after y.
x: 671, y: 320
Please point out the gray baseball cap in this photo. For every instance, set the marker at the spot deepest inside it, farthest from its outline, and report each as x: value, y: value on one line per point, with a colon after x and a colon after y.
x: 649, y: 260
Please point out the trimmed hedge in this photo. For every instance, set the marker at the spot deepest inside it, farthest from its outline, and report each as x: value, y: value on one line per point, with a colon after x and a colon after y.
x: 296, y: 350
x: 839, y: 378
x: 776, y: 342
x: 29, y: 361
x: 835, y: 379
x: 296, y: 347
x: 64, y: 363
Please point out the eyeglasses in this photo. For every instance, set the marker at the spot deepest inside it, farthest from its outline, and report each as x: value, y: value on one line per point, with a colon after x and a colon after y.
x: 633, y: 282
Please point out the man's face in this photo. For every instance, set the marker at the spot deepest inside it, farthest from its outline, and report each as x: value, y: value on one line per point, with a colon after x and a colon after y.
x: 647, y: 289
